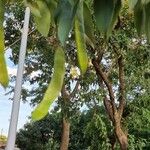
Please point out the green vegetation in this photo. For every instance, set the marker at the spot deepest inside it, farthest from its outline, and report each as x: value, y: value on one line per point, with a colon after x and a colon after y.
x: 106, y: 104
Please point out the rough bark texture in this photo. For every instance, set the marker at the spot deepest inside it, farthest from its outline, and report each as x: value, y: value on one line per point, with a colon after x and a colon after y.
x: 66, y: 96
x: 114, y: 112
x: 122, y: 138
x: 120, y: 134
x: 65, y: 135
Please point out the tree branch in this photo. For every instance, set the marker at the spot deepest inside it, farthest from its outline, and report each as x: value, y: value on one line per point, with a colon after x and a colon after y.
x: 72, y: 95
x: 109, y: 109
x: 111, y: 68
x: 11, y: 45
x: 100, y: 55
x: 107, y: 83
x: 65, y: 94
x: 121, y: 85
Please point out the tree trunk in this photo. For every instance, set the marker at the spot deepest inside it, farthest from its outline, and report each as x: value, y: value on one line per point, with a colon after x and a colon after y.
x: 114, y: 113
x: 65, y: 135
x: 121, y: 136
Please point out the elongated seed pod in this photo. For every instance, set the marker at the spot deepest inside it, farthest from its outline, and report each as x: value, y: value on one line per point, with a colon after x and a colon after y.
x: 3, y: 69
x: 54, y: 87
x: 80, y: 40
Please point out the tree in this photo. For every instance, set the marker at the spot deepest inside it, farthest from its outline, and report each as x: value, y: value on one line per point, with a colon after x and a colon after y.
x: 37, y: 134
x: 116, y: 52
x: 90, y: 129
x: 36, y: 58
x: 49, y: 129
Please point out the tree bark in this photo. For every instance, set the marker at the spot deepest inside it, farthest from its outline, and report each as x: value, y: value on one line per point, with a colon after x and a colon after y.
x: 122, y: 138
x: 65, y: 122
x: 65, y: 135
x: 114, y: 112
x: 120, y: 134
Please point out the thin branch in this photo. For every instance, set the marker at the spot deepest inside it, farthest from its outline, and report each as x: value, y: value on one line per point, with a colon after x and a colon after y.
x: 111, y: 68
x: 11, y: 45
x: 100, y: 55
x: 65, y: 94
x: 108, y: 107
x: 72, y: 95
x: 107, y: 83
x: 107, y: 103
x: 121, y: 85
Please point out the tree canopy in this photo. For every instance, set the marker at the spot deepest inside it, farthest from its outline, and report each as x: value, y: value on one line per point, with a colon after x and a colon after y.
x: 113, y: 67
x: 66, y: 15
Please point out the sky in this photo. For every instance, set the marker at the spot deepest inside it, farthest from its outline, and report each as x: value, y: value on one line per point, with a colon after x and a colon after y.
x: 6, y: 104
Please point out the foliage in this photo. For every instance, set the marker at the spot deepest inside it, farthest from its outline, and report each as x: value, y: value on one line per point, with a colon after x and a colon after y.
x: 3, y: 138
x: 3, y: 75
x: 67, y: 11
x: 47, y: 132
x: 123, y: 42
x: 89, y: 130
x: 37, y: 134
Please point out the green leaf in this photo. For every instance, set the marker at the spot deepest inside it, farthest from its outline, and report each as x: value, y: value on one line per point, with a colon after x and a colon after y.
x: 33, y: 7
x: 88, y: 25
x: 3, y: 68
x: 103, y: 10
x: 139, y: 17
x: 106, y: 14
x: 132, y: 3
x: 43, y: 21
x: 54, y: 87
x: 142, y: 18
x: 1, y: 13
x: 52, y: 4
x: 147, y: 20
x: 65, y: 17
x: 145, y: 1
x: 117, y: 8
x: 64, y: 21
x: 80, y: 39
x: 4, y: 79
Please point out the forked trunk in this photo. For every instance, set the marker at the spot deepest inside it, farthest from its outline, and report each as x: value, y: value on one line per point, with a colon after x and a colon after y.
x: 65, y: 135
x: 114, y: 113
x: 121, y: 136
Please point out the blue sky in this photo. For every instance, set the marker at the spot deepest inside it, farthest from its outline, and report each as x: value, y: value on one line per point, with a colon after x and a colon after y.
x: 6, y: 104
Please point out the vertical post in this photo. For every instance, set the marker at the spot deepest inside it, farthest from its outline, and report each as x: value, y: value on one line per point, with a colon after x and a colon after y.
x: 18, y: 86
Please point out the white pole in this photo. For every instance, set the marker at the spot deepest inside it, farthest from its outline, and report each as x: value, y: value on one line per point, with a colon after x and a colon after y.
x: 18, y: 86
